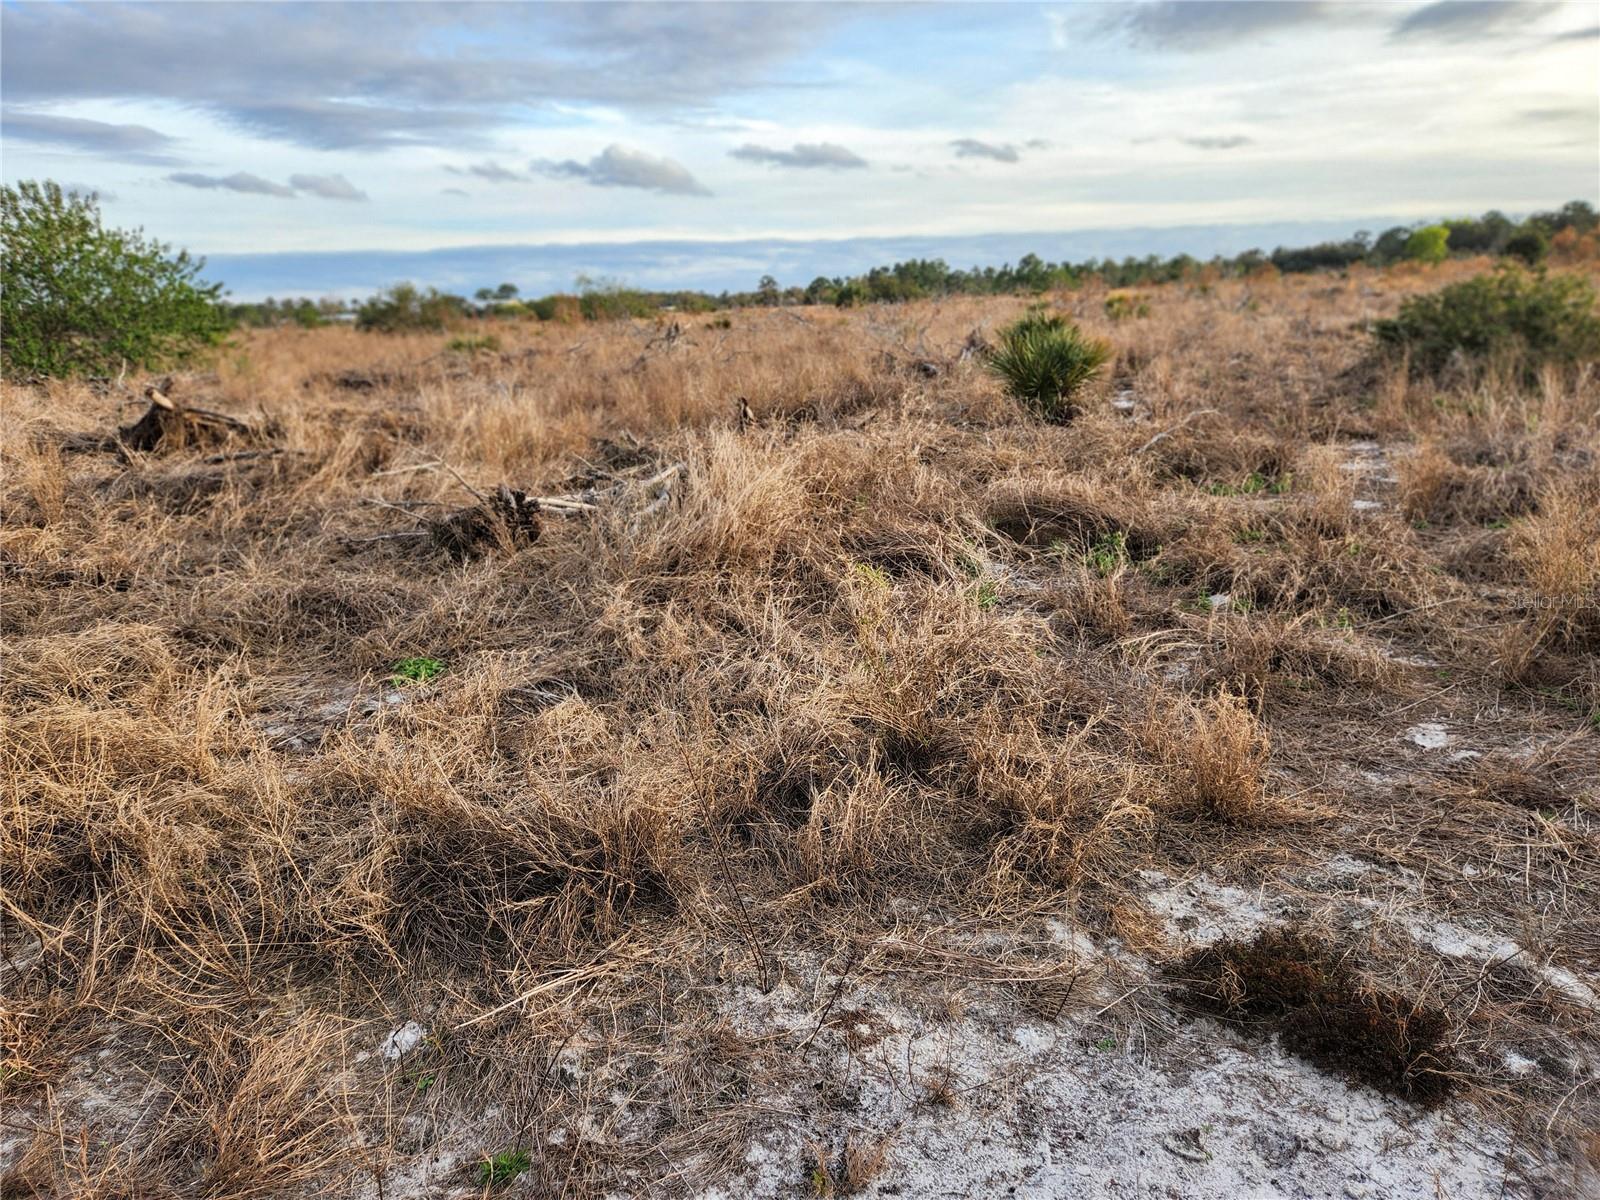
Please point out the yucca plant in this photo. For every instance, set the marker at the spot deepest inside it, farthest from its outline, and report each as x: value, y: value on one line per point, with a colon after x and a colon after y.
x: 1046, y: 361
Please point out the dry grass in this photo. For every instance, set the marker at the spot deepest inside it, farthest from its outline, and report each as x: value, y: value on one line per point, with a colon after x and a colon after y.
x: 888, y: 653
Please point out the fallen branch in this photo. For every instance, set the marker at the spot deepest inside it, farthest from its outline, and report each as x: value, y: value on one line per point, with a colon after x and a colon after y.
x: 509, y: 516
x: 1166, y: 433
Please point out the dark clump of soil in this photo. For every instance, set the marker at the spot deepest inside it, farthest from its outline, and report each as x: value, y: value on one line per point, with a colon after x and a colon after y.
x: 1296, y: 986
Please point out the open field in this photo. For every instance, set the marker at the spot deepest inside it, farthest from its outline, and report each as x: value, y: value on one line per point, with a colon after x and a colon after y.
x: 875, y: 791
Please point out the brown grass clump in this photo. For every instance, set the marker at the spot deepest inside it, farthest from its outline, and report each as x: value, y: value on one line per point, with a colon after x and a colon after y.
x: 1216, y: 751
x: 1292, y: 985
x: 1559, y: 549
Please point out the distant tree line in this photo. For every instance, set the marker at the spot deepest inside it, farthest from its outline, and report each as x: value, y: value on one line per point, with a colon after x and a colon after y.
x: 1571, y: 229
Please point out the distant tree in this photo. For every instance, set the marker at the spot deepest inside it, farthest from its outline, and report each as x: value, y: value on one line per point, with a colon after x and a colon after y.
x: 822, y: 290
x: 1529, y: 244
x: 79, y: 298
x: 404, y: 308
x: 506, y: 291
x: 1430, y: 244
x: 1390, y: 245
x: 767, y: 291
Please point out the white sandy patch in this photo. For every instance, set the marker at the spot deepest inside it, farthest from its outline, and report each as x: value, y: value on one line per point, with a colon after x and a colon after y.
x: 1200, y: 911
x: 1430, y: 735
x: 403, y: 1040
x: 1062, y: 1109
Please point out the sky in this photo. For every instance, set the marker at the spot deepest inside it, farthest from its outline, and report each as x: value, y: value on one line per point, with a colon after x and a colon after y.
x: 349, y: 141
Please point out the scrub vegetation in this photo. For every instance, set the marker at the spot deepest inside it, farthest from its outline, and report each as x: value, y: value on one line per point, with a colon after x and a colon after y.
x: 419, y: 765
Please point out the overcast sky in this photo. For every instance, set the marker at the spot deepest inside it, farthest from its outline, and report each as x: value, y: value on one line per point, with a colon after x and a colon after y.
x: 239, y: 128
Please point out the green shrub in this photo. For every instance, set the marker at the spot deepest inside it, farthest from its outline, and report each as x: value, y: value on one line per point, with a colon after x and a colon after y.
x: 1430, y: 244
x: 419, y: 669
x: 1510, y: 319
x: 77, y: 298
x: 406, y: 308
x: 560, y: 307
x: 1122, y: 307
x: 1046, y: 362
x: 473, y: 344
x: 1529, y: 244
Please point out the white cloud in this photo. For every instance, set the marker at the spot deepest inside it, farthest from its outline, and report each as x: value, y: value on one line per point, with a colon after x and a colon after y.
x: 618, y: 166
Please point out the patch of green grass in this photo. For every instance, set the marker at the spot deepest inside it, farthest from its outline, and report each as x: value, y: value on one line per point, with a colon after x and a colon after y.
x: 417, y: 670
x: 1106, y: 1043
x: 1254, y: 484
x: 987, y: 594
x: 1343, y: 619
x: 1122, y: 307
x: 473, y: 344
x: 1246, y: 537
x: 502, y: 1168
x: 874, y: 576
x: 1107, y: 554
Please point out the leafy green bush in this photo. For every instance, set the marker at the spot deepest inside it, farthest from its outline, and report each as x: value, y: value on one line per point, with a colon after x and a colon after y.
x: 1511, y: 319
x: 560, y: 307
x: 1430, y: 244
x: 77, y: 298
x: 609, y: 300
x: 1046, y: 361
x: 405, y: 308
x: 1120, y: 306
x: 1529, y: 244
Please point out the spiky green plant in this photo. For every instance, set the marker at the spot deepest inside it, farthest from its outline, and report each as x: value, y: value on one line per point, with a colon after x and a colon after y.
x: 1046, y: 362
x: 502, y: 1168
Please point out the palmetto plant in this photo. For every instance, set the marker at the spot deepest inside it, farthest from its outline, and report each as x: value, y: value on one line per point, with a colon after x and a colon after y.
x: 1046, y: 361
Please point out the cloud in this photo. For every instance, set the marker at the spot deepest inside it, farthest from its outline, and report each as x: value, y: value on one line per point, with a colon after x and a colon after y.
x: 1203, y: 24
x: 239, y: 181
x: 1232, y: 142
x: 1464, y: 20
x: 804, y: 154
x: 618, y: 166
x: 335, y: 84
x: 1559, y: 116
x: 490, y: 171
x: 344, y: 125
x: 131, y: 143
x: 88, y: 189
x: 454, y: 192
x: 1578, y: 35
x: 973, y: 148
x: 329, y: 187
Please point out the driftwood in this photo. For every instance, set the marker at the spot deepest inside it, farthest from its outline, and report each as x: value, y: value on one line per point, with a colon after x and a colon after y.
x: 168, y: 425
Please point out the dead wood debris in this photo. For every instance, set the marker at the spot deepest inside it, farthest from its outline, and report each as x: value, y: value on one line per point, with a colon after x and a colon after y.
x: 169, y: 425
x: 509, y: 517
